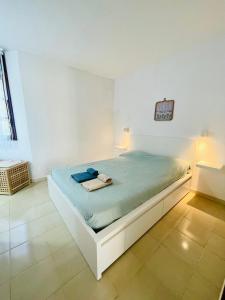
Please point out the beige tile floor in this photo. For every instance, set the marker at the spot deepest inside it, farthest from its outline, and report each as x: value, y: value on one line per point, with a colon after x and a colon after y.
x: 181, y: 257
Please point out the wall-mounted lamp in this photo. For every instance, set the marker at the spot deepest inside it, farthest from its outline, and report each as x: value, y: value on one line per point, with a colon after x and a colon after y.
x: 125, y: 140
x: 207, y: 152
x: 202, y: 143
x: 204, y: 133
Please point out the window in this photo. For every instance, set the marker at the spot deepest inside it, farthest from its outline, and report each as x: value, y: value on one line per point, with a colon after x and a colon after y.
x: 7, y: 122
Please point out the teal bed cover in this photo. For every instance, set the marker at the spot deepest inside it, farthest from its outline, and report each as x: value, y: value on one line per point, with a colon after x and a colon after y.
x: 137, y: 176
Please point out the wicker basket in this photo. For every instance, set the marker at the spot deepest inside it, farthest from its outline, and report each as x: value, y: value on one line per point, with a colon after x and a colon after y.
x: 14, y: 178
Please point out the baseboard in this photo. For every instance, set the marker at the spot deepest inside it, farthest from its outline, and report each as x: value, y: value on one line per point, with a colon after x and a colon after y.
x: 35, y: 180
x: 221, y: 201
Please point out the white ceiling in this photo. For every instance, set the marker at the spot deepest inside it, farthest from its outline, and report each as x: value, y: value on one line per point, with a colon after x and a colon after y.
x: 109, y: 37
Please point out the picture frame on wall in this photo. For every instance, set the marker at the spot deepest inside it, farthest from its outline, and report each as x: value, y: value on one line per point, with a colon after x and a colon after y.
x: 164, y: 110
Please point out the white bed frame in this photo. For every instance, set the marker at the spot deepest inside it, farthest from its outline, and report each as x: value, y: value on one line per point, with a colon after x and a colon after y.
x: 103, y: 248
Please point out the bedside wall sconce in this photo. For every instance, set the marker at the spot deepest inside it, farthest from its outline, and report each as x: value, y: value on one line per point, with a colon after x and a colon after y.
x: 207, y: 152
x: 204, y: 133
x: 125, y: 140
x: 203, y: 146
x: 202, y: 143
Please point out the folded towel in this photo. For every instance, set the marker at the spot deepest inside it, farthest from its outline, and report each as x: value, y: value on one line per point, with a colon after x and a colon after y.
x: 82, y: 177
x: 104, y: 178
x: 92, y: 171
x: 94, y: 184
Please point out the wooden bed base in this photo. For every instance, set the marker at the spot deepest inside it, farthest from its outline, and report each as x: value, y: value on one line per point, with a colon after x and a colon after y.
x: 103, y: 248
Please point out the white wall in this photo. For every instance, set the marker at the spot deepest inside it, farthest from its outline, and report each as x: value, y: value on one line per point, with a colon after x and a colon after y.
x: 68, y: 112
x: 19, y: 149
x: 64, y: 116
x: 196, y: 80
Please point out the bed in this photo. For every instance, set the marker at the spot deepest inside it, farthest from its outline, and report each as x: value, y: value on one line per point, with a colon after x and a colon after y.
x: 106, y: 222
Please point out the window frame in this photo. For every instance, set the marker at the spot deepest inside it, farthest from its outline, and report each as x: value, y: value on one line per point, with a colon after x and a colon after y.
x: 8, y: 99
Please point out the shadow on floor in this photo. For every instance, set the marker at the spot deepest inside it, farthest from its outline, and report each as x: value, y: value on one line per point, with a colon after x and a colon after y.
x: 207, y: 206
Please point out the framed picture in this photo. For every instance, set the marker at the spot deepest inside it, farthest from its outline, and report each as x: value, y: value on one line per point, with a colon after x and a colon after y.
x: 164, y: 110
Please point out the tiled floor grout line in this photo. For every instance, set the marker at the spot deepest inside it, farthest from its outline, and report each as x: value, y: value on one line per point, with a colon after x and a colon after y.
x: 31, y: 266
x: 11, y: 277
x: 192, y: 238
x: 30, y: 221
x: 195, y: 269
x: 61, y: 286
x: 62, y: 282
x: 34, y: 237
x: 193, y: 272
x: 195, y: 266
x: 211, y: 231
x: 36, y: 219
x: 6, y: 231
x: 37, y: 262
